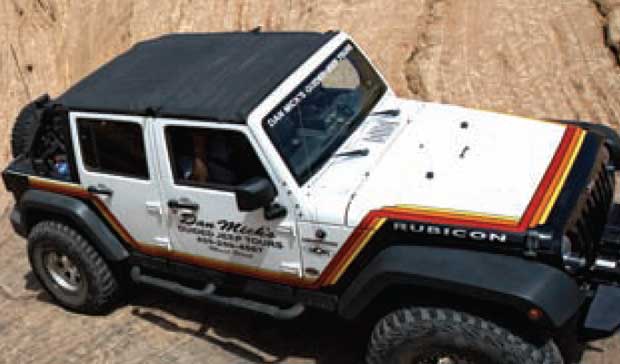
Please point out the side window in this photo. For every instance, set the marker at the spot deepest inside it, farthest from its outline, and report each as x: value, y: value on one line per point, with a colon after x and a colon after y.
x: 211, y: 158
x: 113, y: 147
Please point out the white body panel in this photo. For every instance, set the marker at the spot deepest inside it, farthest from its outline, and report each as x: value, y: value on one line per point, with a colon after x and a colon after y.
x: 131, y: 197
x: 277, y: 253
x: 332, y: 188
x: 318, y: 252
x: 492, y: 166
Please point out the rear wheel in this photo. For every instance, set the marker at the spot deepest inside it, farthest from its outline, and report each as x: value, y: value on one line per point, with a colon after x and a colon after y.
x: 71, y: 270
x: 440, y: 336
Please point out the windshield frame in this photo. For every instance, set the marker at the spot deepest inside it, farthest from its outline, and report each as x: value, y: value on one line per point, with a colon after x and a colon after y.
x: 382, y: 89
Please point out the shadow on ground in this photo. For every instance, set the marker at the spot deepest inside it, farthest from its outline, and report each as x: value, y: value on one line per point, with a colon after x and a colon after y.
x: 317, y: 335
x: 320, y: 337
x: 314, y: 337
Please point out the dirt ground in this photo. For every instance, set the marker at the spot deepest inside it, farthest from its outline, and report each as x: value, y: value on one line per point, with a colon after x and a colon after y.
x: 156, y: 327
x: 537, y: 58
x: 160, y: 328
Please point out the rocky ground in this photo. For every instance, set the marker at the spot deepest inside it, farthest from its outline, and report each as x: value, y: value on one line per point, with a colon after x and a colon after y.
x: 538, y: 58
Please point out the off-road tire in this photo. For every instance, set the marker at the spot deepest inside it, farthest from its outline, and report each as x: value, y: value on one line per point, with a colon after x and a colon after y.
x: 102, y: 291
x: 24, y: 129
x: 411, y: 334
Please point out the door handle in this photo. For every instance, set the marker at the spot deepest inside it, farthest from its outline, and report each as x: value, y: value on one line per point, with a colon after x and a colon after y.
x: 185, y: 204
x: 100, y: 190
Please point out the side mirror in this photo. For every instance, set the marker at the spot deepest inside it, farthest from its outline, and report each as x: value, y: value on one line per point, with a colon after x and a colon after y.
x: 254, y: 193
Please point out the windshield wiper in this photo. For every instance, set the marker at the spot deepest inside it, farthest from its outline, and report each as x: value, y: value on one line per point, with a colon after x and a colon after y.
x: 391, y: 112
x: 354, y: 153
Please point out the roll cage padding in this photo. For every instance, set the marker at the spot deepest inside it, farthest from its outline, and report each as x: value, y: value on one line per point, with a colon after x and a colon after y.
x: 498, y: 279
x: 79, y: 214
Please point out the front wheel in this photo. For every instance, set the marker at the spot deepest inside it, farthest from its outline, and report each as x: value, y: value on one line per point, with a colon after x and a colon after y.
x: 441, y: 336
x: 71, y: 270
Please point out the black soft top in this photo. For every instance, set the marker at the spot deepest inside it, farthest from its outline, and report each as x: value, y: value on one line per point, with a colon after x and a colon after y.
x: 216, y: 76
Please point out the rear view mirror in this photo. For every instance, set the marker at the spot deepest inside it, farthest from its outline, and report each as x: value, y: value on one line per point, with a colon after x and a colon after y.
x: 255, y: 193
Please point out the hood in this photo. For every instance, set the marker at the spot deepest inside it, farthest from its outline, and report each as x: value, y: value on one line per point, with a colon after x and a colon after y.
x: 449, y: 161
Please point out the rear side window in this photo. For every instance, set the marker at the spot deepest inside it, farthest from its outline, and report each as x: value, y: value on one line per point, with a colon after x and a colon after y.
x: 113, y: 147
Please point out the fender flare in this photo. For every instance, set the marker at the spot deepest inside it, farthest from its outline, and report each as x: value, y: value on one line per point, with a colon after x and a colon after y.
x: 612, y: 139
x: 500, y: 279
x: 79, y: 213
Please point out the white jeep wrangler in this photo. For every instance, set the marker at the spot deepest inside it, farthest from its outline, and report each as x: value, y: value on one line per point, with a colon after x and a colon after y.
x: 278, y: 171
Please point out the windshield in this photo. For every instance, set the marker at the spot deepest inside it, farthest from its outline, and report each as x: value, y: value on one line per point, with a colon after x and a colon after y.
x: 315, y: 119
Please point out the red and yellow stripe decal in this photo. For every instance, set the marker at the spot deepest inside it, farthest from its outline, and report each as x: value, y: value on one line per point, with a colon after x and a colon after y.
x: 350, y: 250
x: 158, y: 251
x: 536, y: 213
x: 538, y: 209
x: 552, y: 192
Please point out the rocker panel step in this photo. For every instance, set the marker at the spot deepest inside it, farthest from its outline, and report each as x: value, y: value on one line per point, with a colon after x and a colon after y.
x: 208, y: 294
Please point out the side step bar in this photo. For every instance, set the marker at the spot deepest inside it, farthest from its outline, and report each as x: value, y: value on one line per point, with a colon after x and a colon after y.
x: 603, y: 318
x: 208, y: 294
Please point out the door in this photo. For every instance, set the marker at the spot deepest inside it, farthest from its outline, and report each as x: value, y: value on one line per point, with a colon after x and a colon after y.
x: 205, y: 162
x: 115, y: 163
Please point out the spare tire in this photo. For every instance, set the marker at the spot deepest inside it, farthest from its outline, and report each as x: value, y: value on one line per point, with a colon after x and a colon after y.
x: 26, y: 125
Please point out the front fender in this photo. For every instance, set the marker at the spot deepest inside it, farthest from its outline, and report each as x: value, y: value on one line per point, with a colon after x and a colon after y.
x: 79, y: 213
x: 612, y: 139
x: 500, y: 279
